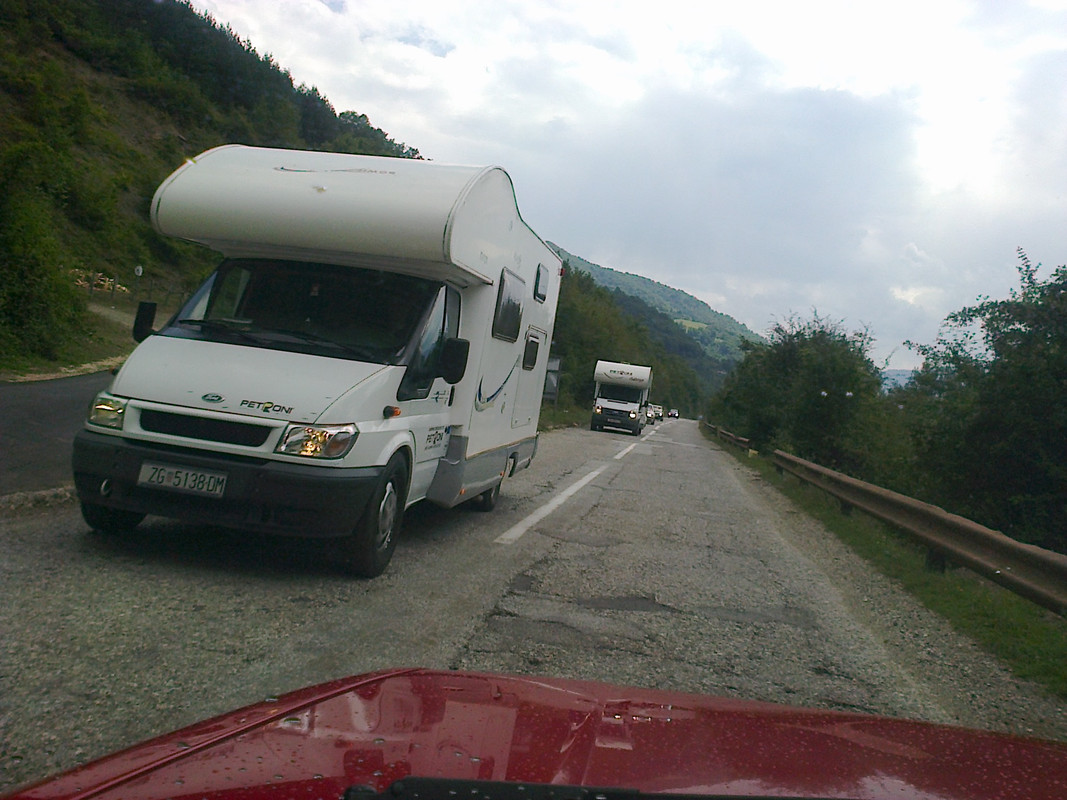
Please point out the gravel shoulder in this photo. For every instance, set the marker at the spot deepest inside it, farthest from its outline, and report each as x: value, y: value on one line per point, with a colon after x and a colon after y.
x: 972, y: 687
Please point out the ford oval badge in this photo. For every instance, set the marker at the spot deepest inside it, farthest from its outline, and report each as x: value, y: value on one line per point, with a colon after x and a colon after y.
x: 211, y: 397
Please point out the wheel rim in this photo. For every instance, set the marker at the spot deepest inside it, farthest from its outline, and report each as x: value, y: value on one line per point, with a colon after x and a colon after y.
x: 387, y: 511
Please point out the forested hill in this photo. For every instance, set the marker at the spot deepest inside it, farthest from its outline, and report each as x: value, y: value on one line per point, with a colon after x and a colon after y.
x: 718, y: 334
x: 99, y: 101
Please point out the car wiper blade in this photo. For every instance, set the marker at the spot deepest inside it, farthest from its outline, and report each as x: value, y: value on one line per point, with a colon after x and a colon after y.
x: 263, y: 335
x: 414, y: 788
x: 229, y: 326
x: 458, y: 788
x: 364, y: 353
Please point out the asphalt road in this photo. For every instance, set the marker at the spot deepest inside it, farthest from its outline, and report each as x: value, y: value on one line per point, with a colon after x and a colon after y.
x: 653, y: 561
x: 37, y: 428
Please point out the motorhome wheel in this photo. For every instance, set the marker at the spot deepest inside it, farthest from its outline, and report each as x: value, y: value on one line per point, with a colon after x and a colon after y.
x: 367, y: 552
x: 486, y: 501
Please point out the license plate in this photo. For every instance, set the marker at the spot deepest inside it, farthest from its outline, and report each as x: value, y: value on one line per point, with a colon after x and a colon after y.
x: 182, y: 479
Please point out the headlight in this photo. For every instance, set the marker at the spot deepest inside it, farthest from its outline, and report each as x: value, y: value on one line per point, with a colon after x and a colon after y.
x: 598, y: 410
x: 107, y: 411
x: 633, y: 415
x: 317, y: 441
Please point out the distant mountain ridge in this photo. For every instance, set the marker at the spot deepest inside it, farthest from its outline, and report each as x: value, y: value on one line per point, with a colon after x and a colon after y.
x: 719, y: 335
x: 892, y: 378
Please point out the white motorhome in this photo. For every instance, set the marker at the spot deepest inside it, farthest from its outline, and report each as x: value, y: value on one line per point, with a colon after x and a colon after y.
x: 621, y: 399
x: 376, y: 334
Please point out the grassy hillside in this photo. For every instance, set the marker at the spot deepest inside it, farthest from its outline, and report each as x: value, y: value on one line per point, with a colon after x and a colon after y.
x: 99, y: 101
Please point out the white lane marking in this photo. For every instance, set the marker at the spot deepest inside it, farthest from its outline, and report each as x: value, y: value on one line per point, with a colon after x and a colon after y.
x: 513, y: 533
x: 626, y: 450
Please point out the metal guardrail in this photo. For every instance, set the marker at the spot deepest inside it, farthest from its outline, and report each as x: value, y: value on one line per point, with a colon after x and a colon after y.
x: 1031, y: 572
x: 1036, y: 574
x: 726, y: 436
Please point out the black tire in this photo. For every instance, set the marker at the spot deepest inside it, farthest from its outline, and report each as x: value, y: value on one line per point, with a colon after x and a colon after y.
x: 486, y: 501
x: 369, y: 549
x: 110, y: 520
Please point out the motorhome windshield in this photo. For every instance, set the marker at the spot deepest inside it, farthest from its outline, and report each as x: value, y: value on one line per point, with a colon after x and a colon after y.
x: 343, y: 312
x: 626, y: 394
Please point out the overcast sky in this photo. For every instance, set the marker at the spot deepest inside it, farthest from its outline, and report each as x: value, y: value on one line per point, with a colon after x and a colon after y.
x: 878, y: 163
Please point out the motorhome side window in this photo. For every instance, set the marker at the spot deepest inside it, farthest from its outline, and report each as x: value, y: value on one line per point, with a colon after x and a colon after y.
x: 541, y: 284
x: 508, y: 317
x: 323, y: 309
x: 441, y: 323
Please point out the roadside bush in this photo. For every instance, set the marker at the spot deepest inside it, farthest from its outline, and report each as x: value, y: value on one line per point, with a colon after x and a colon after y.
x: 989, y: 411
x: 806, y: 390
x: 39, y: 307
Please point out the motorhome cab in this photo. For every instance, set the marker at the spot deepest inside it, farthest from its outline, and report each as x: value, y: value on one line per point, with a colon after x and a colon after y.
x: 621, y: 399
x: 376, y: 334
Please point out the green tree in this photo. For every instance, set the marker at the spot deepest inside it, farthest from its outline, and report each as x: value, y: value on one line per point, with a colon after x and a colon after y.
x: 39, y: 307
x: 989, y: 410
x: 804, y: 390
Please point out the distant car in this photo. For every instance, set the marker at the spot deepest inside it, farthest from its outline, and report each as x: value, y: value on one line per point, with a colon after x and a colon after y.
x: 673, y: 412
x: 448, y: 734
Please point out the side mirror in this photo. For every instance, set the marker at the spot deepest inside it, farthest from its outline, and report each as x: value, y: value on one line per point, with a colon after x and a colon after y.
x: 142, y: 323
x: 454, y: 360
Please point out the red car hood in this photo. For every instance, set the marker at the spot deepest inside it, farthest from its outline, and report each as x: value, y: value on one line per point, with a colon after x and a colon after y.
x: 374, y: 729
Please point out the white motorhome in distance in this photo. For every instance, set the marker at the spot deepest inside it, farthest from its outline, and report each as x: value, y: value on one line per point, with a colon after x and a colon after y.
x: 376, y: 334
x: 621, y: 396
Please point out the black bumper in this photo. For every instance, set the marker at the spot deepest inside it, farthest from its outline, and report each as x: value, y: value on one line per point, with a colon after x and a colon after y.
x: 261, y: 495
x: 612, y: 420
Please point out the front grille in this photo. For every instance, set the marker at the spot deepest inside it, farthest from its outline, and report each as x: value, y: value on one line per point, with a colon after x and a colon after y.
x: 211, y: 430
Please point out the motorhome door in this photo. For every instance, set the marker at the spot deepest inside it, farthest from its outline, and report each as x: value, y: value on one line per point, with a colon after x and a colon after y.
x: 424, y: 396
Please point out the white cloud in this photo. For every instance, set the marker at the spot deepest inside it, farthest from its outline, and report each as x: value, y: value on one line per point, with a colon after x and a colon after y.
x: 878, y: 162
x: 920, y: 296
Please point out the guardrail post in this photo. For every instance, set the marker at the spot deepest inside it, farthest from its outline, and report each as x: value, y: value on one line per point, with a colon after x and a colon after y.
x: 935, y: 560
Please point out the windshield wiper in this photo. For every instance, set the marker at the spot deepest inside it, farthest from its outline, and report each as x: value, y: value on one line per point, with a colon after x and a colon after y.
x: 222, y: 325
x: 364, y: 353
x: 263, y: 335
x: 413, y: 788
x: 451, y: 788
